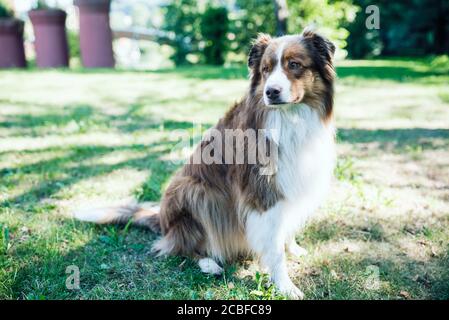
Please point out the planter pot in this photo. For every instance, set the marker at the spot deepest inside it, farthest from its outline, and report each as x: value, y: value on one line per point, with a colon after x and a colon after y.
x: 12, y: 52
x: 95, y: 33
x: 51, y: 46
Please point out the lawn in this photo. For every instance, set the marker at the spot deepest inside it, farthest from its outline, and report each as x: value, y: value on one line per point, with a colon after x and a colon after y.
x: 76, y: 138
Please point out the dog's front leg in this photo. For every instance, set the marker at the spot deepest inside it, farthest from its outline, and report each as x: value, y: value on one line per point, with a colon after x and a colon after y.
x: 294, y: 249
x: 267, y: 239
x: 274, y: 259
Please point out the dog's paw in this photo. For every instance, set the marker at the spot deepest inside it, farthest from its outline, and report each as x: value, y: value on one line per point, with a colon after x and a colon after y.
x: 209, y: 266
x: 291, y: 291
x: 296, y: 251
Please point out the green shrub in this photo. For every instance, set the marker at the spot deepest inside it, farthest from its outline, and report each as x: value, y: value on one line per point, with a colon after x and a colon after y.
x: 182, y: 19
x: 214, y: 26
x: 251, y: 18
x: 330, y: 18
x: 5, y: 12
x: 74, y: 44
x: 41, y: 5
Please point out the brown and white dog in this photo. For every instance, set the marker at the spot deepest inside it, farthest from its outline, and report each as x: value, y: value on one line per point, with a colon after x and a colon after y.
x: 218, y: 212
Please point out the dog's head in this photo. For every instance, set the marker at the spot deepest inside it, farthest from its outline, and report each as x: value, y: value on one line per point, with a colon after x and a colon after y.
x: 293, y: 69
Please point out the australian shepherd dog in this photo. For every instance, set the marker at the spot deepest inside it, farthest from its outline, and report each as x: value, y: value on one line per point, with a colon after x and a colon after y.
x: 217, y: 211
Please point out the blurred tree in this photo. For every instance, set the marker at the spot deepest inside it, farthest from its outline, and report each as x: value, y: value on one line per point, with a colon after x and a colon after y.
x: 42, y: 4
x: 183, y: 19
x: 74, y: 44
x: 214, y: 26
x: 251, y: 18
x: 5, y: 10
x: 362, y: 42
x: 329, y: 16
x: 407, y: 27
x: 281, y: 14
x: 441, y: 27
x: 415, y: 27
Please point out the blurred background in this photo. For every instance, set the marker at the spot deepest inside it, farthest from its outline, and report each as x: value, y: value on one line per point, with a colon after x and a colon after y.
x: 152, y: 34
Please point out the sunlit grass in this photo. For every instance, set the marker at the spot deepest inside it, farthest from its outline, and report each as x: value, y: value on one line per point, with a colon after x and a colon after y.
x: 79, y: 138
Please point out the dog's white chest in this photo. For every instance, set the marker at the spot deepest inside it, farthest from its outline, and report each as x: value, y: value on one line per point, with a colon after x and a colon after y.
x: 306, y: 157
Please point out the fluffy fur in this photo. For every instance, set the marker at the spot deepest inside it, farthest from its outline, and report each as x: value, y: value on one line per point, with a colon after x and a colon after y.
x: 219, y: 212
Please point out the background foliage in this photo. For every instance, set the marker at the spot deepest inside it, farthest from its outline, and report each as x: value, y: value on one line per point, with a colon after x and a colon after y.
x: 183, y: 19
x: 5, y: 11
x: 407, y: 27
x: 253, y: 17
x: 214, y: 26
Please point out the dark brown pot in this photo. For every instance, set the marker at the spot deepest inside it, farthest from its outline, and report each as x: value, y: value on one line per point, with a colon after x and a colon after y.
x: 51, y: 46
x: 12, y: 52
x: 95, y: 33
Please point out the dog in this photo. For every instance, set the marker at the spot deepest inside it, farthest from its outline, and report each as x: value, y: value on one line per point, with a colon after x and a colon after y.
x: 216, y: 212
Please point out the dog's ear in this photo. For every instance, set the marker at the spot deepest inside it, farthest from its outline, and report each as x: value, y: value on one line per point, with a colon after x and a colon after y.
x: 322, y: 52
x: 257, y: 49
x: 255, y: 56
x: 323, y: 46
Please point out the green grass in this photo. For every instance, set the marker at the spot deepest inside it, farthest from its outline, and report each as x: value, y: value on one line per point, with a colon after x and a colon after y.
x: 76, y: 138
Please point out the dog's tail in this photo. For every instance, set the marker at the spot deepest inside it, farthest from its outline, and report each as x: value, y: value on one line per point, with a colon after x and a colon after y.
x: 139, y: 214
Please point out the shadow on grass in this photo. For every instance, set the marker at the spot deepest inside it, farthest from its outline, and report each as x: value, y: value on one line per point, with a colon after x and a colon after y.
x: 87, y: 118
x: 356, y: 248
x: 398, y: 139
x: 101, y: 260
x: 116, y: 264
x: 366, y: 276
x: 31, y: 200
x: 381, y: 72
x: 70, y: 113
x: 380, y: 69
x: 202, y: 72
x: 393, y: 73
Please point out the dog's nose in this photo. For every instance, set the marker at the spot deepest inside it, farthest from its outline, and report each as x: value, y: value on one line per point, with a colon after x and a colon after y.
x: 273, y: 93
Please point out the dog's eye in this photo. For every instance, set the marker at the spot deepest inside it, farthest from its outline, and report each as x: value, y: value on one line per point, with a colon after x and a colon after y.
x: 292, y: 65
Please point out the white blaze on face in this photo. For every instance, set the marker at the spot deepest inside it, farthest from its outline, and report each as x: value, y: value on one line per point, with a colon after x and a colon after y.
x: 278, y: 79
